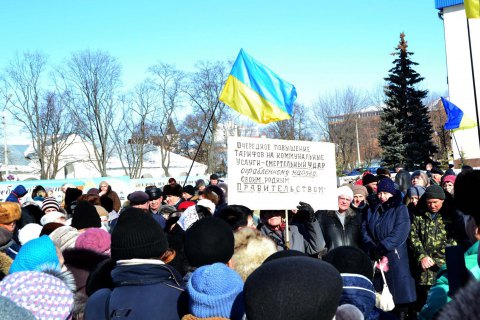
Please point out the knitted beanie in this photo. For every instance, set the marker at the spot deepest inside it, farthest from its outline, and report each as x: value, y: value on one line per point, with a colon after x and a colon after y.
x: 215, y: 291
x: 349, y: 259
x: 95, y: 239
x: 45, y: 295
x: 36, y: 255
x: 311, y: 287
x: 434, y: 192
x: 386, y: 185
x: 137, y: 235
x: 345, y: 191
x: 358, y: 189
x: 207, y: 241
x: 64, y: 237
x: 50, y: 202
x: 85, y: 216
x: 368, y: 178
x: 9, y: 212
x: 29, y: 232
x: 189, y: 189
x: 415, y: 191
x: 9, y: 310
x: 450, y: 178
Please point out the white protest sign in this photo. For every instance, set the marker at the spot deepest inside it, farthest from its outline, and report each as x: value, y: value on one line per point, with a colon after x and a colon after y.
x: 277, y: 174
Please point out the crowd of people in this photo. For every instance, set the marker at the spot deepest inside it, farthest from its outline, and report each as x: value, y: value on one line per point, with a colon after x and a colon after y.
x: 182, y: 252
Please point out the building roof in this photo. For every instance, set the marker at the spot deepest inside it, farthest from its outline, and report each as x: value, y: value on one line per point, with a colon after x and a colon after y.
x: 440, y: 4
x: 16, y: 155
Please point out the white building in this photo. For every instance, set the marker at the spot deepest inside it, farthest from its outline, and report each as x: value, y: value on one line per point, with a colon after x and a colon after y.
x: 462, y: 46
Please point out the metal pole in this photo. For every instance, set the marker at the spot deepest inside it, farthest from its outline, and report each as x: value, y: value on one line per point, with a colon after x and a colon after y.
x: 455, y: 139
x: 287, y: 236
x: 358, y: 144
x: 5, y: 150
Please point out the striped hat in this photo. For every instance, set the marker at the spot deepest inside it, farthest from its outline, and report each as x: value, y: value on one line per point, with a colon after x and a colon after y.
x: 50, y: 202
x: 44, y: 295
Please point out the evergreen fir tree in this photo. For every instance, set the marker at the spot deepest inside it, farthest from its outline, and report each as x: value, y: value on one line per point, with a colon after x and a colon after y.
x: 406, y: 131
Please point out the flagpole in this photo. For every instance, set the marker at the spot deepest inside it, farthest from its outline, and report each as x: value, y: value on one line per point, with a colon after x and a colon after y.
x: 455, y: 139
x: 473, y: 79
x: 287, y: 236
x: 200, y: 144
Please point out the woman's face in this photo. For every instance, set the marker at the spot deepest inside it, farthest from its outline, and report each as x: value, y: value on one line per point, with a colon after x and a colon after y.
x: 448, y: 187
x: 417, y: 181
x: 414, y: 200
x: 384, y: 196
x: 273, y: 219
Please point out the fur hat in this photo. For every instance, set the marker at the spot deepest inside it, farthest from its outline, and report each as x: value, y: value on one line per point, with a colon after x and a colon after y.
x: 189, y: 189
x: 85, y: 216
x: 9, y: 310
x: 43, y: 294
x: 368, y: 178
x: 36, y: 255
x: 95, y: 239
x: 311, y: 287
x: 345, y: 191
x: 64, y: 237
x: 50, y: 202
x: 207, y: 241
x: 347, y: 259
x: 137, y: 235
x: 434, y: 192
x: 358, y: 189
x: 386, y: 185
x: 216, y: 291
x: 175, y: 190
x: 51, y: 217
x: 9, y: 212
x: 29, y: 232
x: 415, y: 191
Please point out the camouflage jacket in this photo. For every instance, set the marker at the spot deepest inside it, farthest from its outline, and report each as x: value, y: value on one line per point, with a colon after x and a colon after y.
x: 429, y: 235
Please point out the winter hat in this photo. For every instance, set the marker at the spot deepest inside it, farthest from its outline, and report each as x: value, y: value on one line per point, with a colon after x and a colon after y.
x: 29, y: 232
x: 422, y: 175
x: 348, y: 259
x: 154, y: 193
x: 93, y: 191
x: 45, y: 295
x: 50, y: 202
x: 50, y: 227
x: 137, y: 235
x: 386, y: 185
x: 214, y: 176
x: 215, y: 291
x: 9, y: 310
x: 188, y: 218
x: 175, y: 190
x: 207, y: 204
x: 138, y: 197
x: 101, y: 211
x: 449, y: 178
x: 368, y: 178
x: 64, y: 237
x: 415, y: 191
x: 9, y: 212
x: 189, y: 189
x: 434, y: 192
x: 345, y: 191
x: 85, y: 216
x: 51, y: 217
x: 17, y: 193
x: 285, y: 254
x: 199, y: 183
x: 348, y: 312
x: 36, y: 255
x: 358, y: 189
x: 436, y: 170
x: 95, y: 239
x: 185, y: 204
x: 209, y: 240
x: 311, y: 287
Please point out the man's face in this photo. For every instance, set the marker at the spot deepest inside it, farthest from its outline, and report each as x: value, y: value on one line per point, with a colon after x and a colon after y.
x: 343, y: 203
x: 437, y: 177
x: 358, y: 199
x: 186, y: 196
x: 48, y: 210
x: 213, y: 182
x: 434, y: 205
x: 155, y: 204
x: 172, y: 200
x: 273, y: 219
x: 372, y: 186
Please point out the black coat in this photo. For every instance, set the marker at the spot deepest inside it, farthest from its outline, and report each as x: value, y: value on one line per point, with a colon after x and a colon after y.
x: 336, y: 234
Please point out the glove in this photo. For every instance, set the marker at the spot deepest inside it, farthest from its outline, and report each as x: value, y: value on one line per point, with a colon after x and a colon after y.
x: 306, y: 210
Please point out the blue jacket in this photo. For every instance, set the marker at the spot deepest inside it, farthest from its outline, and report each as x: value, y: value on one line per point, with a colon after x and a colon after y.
x: 359, y: 291
x: 385, y: 232
x: 141, y: 291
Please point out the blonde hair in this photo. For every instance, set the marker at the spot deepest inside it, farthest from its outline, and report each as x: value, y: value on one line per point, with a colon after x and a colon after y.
x: 251, y: 250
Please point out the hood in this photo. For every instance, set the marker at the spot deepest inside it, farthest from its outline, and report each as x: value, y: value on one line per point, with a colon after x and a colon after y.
x: 359, y: 291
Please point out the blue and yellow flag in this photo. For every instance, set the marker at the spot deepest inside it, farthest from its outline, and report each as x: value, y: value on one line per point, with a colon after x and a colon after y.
x: 257, y: 92
x: 472, y: 8
x: 456, y: 119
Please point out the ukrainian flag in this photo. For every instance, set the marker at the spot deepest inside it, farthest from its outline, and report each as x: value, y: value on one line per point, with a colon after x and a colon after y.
x: 456, y: 119
x: 257, y: 92
x: 472, y: 8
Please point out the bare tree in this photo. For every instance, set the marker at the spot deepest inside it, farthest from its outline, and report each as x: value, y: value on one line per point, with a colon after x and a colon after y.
x: 204, y: 88
x: 335, y: 116
x: 92, y: 79
x: 42, y: 113
x: 296, y: 128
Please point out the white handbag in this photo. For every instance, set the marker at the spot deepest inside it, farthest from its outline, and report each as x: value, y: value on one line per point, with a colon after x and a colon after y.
x: 384, y: 300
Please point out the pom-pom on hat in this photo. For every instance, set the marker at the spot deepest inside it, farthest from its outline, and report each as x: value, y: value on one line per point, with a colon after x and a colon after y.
x: 36, y: 255
x: 207, y: 241
x: 29, y: 232
x: 9, y: 212
x: 45, y: 295
x: 137, y: 235
x: 50, y: 203
x: 386, y: 185
x: 216, y: 291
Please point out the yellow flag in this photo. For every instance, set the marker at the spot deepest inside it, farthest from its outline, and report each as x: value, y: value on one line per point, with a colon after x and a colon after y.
x: 472, y: 9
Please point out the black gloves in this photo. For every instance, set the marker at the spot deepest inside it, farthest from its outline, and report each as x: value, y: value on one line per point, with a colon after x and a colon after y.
x: 306, y: 211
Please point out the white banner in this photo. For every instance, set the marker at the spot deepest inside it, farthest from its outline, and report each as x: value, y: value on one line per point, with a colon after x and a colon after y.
x: 277, y: 174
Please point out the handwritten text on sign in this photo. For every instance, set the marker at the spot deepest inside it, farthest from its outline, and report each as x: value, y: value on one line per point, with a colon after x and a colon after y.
x: 276, y: 174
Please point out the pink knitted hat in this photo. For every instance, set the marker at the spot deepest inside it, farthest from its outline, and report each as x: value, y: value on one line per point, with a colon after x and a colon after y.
x: 95, y: 239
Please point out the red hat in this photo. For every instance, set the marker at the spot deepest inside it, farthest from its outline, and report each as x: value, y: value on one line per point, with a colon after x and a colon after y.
x: 185, y: 204
x: 449, y: 178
